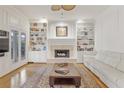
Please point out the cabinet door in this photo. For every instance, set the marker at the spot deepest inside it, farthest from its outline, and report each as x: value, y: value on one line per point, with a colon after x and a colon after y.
x: 42, y: 56
x: 80, y: 56
x: 1, y: 18
x: 37, y: 56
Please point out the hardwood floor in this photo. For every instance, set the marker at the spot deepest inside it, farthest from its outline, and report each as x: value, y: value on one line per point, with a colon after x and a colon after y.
x: 23, y: 75
x: 19, y: 76
x: 101, y: 84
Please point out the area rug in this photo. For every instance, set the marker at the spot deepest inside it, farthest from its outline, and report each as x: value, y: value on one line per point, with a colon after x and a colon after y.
x: 41, y: 79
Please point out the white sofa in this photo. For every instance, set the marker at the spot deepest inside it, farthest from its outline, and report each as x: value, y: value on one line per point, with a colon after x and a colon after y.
x: 108, y: 66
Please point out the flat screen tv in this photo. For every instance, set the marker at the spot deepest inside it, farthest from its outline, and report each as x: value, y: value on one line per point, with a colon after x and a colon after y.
x: 4, y: 43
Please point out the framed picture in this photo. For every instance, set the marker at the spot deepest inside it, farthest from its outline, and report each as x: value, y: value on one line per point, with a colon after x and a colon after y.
x: 61, y: 31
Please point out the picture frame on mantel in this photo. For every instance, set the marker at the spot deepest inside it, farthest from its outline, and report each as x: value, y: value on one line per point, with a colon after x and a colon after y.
x: 61, y: 31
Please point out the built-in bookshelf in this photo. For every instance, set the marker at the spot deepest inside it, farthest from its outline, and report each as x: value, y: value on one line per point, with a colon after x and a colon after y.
x: 38, y: 36
x: 85, y: 37
x: 85, y: 40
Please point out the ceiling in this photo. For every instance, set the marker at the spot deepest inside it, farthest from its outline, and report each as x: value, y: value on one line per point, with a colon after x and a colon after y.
x: 36, y: 12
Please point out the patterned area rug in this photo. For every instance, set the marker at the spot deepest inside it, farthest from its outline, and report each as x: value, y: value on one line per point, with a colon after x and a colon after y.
x: 41, y: 79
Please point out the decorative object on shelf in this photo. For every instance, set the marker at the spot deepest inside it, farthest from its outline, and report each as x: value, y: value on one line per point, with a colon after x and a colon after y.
x: 42, y: 30
x: 62, y: 64
x: 45, y: 24
x: 34, y: 24
x: 85, y: 33
x: 65, y: 7
x: 44, y: 48
x: 61, y: 31
x: 34, y: 29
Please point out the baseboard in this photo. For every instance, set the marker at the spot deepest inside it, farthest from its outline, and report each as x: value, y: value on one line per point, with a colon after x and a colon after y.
x: 36, y: 63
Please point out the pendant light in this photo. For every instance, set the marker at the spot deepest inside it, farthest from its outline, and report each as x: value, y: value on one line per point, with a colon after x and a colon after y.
x: 65, y: 7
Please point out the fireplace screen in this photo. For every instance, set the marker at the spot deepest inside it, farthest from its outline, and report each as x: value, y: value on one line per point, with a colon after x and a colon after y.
x: 62, y: 53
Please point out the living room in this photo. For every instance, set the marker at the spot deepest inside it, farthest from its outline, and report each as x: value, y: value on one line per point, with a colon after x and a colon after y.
x: 42, y: 46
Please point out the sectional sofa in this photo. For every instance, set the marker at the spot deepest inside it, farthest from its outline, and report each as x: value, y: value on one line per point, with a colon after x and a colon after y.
x: 108, y: 66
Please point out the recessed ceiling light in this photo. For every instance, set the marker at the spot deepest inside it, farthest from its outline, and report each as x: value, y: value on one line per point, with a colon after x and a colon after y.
x: 80, y: 21
x: 43, y: 20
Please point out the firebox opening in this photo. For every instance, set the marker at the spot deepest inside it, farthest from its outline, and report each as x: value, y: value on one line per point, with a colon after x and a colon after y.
x: 62, y: 53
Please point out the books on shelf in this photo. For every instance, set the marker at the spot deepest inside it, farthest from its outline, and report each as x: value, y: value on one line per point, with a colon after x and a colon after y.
x: 38, y: 36
x: 85, y: 36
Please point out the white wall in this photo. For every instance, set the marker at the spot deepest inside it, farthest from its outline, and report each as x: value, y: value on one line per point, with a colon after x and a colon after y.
x: 12, y: 19
x: 109, y: 33
x: 71, y: 28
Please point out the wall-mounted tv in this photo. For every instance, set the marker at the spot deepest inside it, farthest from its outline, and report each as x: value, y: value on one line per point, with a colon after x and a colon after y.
x: 4, y: 41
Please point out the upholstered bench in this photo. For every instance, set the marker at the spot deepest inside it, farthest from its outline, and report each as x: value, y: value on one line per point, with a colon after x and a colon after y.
x: 108, y: 66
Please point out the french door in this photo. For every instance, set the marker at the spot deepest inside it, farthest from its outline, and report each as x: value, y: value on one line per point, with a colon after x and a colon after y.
x: 14, y: 46
x: 23, y: 46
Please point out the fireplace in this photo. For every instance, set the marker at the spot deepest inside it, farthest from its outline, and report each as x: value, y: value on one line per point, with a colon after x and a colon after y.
x: 59, y: 53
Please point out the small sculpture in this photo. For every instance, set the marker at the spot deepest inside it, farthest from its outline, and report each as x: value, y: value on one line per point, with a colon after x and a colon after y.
x: 63, y: 64
x: 63, y: 71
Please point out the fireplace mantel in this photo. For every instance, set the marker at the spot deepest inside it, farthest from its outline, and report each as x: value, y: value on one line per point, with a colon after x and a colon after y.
x: 64, y: 41
x: 72, y: 50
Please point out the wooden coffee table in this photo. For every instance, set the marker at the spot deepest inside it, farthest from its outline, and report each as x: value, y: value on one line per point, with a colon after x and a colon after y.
x: 73, y: 76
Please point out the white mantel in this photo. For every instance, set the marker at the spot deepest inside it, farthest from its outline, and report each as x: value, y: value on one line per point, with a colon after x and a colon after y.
x: 65, y: 43
x: 72, y: 53
x: 52, y: 49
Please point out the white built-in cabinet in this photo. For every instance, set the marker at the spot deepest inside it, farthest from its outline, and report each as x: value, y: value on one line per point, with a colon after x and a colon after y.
x: 38, y: 42
x: 37, y: 56
x: 12, y: 19
x: 85, y: 39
